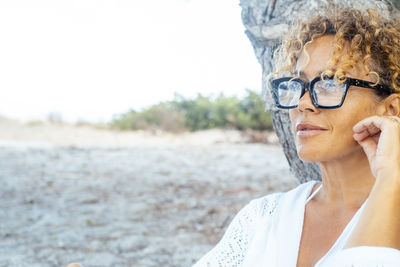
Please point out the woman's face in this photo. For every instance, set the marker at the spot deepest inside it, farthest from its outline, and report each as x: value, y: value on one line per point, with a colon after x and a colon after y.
x: 336, y: 140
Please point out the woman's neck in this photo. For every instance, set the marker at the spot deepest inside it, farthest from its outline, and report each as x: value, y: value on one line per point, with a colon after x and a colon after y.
x: 346, y: 182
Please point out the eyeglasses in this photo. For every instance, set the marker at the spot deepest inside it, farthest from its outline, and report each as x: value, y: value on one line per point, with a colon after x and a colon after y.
x: 325, y: 93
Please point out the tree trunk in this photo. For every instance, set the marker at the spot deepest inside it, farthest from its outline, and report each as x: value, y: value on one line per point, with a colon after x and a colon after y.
x: 265, y: 22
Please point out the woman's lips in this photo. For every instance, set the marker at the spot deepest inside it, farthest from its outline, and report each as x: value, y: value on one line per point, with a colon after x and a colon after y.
x: 309, y: 132
x: 308, y: 129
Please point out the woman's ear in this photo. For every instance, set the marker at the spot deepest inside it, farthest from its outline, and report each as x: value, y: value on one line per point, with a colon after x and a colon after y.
x: 392, y: 105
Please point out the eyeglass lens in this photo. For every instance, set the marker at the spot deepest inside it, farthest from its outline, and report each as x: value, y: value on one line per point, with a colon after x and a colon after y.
x: 326, y: 92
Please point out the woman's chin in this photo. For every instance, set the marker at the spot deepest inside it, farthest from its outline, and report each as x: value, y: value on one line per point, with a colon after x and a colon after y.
x: 309, y: 155
x: 313, y: 150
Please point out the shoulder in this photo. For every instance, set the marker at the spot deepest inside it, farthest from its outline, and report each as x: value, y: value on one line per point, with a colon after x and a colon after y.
x: 266, y: 205
x: 255, y: 216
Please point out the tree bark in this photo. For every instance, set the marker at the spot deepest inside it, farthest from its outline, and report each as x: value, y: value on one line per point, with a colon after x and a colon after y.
x: 265, y: 22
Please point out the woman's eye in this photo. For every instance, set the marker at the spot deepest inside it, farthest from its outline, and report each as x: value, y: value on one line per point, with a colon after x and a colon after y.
x: 328, y: 86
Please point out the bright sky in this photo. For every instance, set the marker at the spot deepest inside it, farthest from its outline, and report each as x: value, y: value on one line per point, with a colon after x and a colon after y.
x: 90, y: 59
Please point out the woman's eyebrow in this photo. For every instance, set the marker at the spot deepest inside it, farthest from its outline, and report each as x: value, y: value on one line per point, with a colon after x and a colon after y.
x: 304, y: 76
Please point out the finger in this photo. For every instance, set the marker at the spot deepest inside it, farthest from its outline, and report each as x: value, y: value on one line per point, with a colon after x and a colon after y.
x: 361, y: 125
x: 360, y: 136
x: 74, y: 265
x: 369, y: 146
x: 369, y: 126
x: 389, y: 136
x: 374, y: 125
x: 377, y: 121
x: 365, y: 134
x: 376, y: 137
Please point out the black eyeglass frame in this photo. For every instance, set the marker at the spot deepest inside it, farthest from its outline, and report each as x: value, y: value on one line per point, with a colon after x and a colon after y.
x: 310, y: 87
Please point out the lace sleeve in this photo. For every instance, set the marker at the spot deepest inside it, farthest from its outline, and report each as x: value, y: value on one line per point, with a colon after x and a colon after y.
x: 232, y: 248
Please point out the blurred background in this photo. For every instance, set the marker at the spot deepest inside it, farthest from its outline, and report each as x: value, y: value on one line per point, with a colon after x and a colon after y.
x: 131, y: 132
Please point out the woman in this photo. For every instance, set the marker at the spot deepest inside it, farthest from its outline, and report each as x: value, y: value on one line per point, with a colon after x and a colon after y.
x: 338, y: 75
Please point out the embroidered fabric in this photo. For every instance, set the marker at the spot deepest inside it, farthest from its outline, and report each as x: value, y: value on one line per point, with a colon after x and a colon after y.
x: 236, y: 245
x: 232, y: 248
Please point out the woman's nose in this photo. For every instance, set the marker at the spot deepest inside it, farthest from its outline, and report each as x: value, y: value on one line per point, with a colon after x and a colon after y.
x: 305, y: 103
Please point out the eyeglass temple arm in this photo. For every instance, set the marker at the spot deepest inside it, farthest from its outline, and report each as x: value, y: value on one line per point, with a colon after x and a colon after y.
x: 367, y: 84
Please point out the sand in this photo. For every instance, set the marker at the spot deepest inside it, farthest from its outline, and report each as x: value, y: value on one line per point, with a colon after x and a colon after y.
x: 107, y: 198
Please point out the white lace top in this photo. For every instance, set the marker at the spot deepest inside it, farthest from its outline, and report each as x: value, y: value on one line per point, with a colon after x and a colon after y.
x: 267, y: 232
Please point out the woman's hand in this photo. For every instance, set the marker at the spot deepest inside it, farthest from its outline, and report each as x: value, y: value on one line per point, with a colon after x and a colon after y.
x: 379, y: 136
x: 74, y: 265
x: 379, y: 223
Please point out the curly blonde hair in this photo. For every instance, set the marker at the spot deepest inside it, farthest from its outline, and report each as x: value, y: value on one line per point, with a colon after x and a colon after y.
x: 368, y: 37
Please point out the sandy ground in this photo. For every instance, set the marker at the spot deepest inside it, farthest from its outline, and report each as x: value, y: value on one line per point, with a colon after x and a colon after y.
x: 104, y: 198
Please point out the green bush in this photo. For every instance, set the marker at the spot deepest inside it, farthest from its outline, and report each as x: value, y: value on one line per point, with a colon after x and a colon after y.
x: 162, y: 116
x: 199, y: 113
